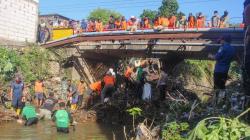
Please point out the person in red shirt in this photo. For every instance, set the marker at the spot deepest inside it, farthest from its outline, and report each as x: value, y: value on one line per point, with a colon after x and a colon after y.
x: 109, y: 86
x: 172, y: 22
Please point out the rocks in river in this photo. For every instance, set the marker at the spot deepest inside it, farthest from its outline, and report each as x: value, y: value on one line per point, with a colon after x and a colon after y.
x: 6, y: 114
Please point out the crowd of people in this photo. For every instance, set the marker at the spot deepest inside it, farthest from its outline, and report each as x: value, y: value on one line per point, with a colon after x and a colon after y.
x: 80, y: 95
x: 159, y: 22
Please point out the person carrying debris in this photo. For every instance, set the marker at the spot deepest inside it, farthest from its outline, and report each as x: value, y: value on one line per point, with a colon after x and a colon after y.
x: 62, y: 118
x: 109, y: 86
x: 93, y: 89
x: 29, y: 114
x: 16, y: 94
x: 128, y: 79
x: 140, y: 81
x: 223, y: 58
x: 72, y: 95
x: 48, y: 107
x: 39, y: 92
x: 161, y: 84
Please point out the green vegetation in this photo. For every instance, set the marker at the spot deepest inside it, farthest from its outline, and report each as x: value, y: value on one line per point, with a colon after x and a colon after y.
x: 173, y: 130
x: 168, y: 8
x: 103, y: 14
x: 151, y: 14
x: 30, y: 62
x: 219, y: 128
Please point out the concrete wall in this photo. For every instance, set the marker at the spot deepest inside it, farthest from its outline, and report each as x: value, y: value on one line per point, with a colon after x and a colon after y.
x: 18, y: 20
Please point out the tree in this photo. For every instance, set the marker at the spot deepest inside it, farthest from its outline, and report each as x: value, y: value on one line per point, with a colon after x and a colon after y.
x: 151, y: 14
x: 168, y: 8
x: 103, y: 14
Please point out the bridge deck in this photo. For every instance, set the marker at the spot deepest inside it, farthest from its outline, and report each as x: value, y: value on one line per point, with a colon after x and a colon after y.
x: 167, y: 34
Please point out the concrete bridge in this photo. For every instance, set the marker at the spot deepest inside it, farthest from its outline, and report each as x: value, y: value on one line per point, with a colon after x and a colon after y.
x: 170, y: 45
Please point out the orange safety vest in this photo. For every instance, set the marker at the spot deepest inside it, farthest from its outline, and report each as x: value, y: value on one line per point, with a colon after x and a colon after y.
x: 191, y: 22
x: 156, y: 23
x: 200, y: 22
x: 118, y: 24
x: 109, y: 80
x: 39, y: 87
x: 99, y: 26
x: 165, y: 22
x: 124, y: 25
x: 128, y: 72
x: 96, y: 86
x: 91, y: 27
x: 80, y: 88
x: 172, y: 21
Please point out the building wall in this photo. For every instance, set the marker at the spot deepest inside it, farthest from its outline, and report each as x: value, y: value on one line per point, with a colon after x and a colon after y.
x: 19, y: 20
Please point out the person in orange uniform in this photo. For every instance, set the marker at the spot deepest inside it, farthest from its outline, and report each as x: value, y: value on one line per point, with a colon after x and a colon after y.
x: 191, y: 21
x: 172, y: 22
x: 128, y: 73
x: 93, y: 89
x: 109, y: 86
x: 123, y: 23
x: 118, y: 24
x: 99, y: 26
x: 91, y: 26
x: 39, y: 92
x: 200, y: 21
x: 164, y: 21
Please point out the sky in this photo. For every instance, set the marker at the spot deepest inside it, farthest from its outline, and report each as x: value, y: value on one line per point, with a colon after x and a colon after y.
x: 80, y: 9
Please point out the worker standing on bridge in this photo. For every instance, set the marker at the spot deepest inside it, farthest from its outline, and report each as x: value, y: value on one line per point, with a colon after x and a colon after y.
x: 215, y: 20
x: 99, y: 25
x: 124, y: 23
x: 224, y: 20
x: 223, y: 58
x: 172, y: 22
x: 118, y: 25
x: 200, y: 23
x: 191, y: 21
x: 111, y: 23
x: 132, y: 24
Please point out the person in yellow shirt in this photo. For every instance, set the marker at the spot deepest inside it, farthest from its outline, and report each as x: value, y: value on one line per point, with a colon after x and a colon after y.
x: 124, y: 23
x: 39, y: 92
x: 99, y: 26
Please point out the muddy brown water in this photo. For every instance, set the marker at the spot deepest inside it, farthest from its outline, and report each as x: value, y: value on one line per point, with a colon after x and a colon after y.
x: 45, y: 131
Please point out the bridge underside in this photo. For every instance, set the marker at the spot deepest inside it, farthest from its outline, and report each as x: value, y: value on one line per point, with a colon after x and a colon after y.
x: 195, y: 44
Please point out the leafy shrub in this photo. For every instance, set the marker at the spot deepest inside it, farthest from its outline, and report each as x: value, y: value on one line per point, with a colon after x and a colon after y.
x: 173, y: 131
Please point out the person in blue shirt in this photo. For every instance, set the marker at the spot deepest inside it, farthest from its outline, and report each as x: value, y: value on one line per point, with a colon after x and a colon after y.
x: 223, y: 58
x: 16, y: 94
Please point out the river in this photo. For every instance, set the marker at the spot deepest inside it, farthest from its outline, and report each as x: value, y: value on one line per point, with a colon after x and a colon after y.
x: 45, y: 131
